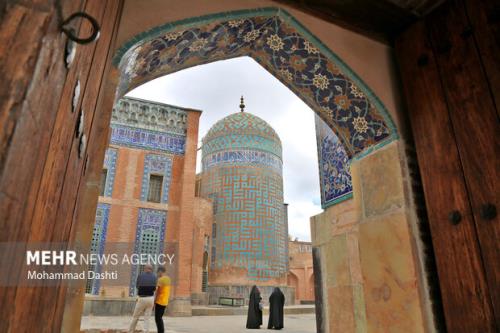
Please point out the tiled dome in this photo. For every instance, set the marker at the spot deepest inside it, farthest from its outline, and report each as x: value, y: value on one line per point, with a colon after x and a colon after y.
x: 241, y: 123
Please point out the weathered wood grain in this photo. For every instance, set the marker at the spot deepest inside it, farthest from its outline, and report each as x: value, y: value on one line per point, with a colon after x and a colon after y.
x: 484, y: 17
x: 475, y: 125
x: 463, y: 285
x: 39, y: 165
x: 33, y: 73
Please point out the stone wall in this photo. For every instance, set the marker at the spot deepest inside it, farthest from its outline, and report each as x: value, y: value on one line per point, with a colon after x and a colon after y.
x: 368, y: 250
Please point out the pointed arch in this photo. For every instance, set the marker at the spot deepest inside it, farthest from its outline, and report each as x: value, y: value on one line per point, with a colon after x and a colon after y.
x: 284, y: 47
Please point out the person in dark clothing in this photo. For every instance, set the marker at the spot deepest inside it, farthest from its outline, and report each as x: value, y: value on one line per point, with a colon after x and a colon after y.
x: 146, y: 286
x: 254, y: 317
x: 276, y: 304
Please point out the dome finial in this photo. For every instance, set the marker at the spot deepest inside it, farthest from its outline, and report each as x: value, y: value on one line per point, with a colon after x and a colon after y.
x: 242, y: 104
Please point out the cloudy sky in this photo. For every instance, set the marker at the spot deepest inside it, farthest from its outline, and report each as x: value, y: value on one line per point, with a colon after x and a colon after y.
x: 216, y: 88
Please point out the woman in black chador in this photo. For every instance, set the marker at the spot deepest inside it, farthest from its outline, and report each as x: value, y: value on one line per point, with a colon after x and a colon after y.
x: 276, y: 304
x: 254, y: 318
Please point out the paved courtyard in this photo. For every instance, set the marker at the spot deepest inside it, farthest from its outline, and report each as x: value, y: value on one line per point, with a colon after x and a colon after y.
x: 300, y: 323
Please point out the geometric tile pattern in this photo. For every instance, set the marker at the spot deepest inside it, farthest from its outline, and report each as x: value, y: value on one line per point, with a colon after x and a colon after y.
x: 334, y: 166
x: 98, y: 242
x: 110, y: 165
x: 242, y: 122
x: 242, y: 141
x: 147, y: 139
x: 242, y: 157
x: 282, y: 46
x: 249, y: 219
x: 149, y: 238
x: 157, y: 165
x: 246, y: 186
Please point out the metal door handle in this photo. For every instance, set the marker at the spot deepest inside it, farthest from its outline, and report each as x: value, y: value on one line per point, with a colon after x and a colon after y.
x: 71, y: 32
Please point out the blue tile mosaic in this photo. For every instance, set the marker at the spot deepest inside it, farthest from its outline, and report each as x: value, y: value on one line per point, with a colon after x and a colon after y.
x: 110, y: 165
x: 243, y: 157
x: 281, y: 45
x: 245, y: 182
x: 334, y: 164
x: 158, y: 165
x: 147, y: 139
x: 242, y: 141
x: 149, y: 238
x: 98, y: 243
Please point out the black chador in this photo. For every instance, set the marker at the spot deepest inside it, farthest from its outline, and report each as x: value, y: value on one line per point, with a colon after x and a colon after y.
x: 254, y: 318
x: 276, y: 304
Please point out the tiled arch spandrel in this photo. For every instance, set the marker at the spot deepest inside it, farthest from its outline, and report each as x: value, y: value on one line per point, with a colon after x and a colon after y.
x: 281, y: 45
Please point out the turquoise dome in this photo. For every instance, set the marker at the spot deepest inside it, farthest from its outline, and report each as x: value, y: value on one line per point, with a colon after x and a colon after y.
x: 242, y: 123
x: 242, y: 131
x: 242, y: 173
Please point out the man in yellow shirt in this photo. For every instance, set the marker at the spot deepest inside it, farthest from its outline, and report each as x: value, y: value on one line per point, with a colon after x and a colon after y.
x: 161, y: 297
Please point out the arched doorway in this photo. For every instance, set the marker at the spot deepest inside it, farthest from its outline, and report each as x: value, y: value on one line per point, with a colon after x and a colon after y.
x: 351, y: 109
x: 278, y: 42
x: 293, y: 281
x: 39, y: 204
x: 310, y: 285
x: 322, y: 80
x: 285, y: 48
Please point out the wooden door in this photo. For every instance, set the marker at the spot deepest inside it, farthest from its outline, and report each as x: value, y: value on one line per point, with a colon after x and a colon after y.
x: 450, y: 81
x: 44, y: 162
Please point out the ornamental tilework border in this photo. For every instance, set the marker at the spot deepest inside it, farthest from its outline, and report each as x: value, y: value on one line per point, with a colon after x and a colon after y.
x: 148, y: 220
x: 244, y: 157
x: 240, y: 141
x: 334, y: 166
x: 159, y: 165
x: 110, y: 165
x: 98, y: 243
x: 147, y: 139
x: 281, y: 45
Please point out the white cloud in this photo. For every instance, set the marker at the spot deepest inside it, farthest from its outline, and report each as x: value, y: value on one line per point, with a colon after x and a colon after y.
x: 216, y: 88
x: 299, y: 214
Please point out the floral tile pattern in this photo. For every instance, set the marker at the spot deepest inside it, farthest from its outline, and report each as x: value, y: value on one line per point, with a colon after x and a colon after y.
x: 334, y: 175
x: 146, y: 139
x: 278, y: 43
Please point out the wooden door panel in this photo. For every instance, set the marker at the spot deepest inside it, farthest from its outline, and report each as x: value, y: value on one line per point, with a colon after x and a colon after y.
x: 475, y: 125
x: 460, y: 270
x: 484, y: 16
x: 43, y: 221
x: 63, y: 138
x: 33, y: 74
x: 76, y: 170
x: 39, y: 164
